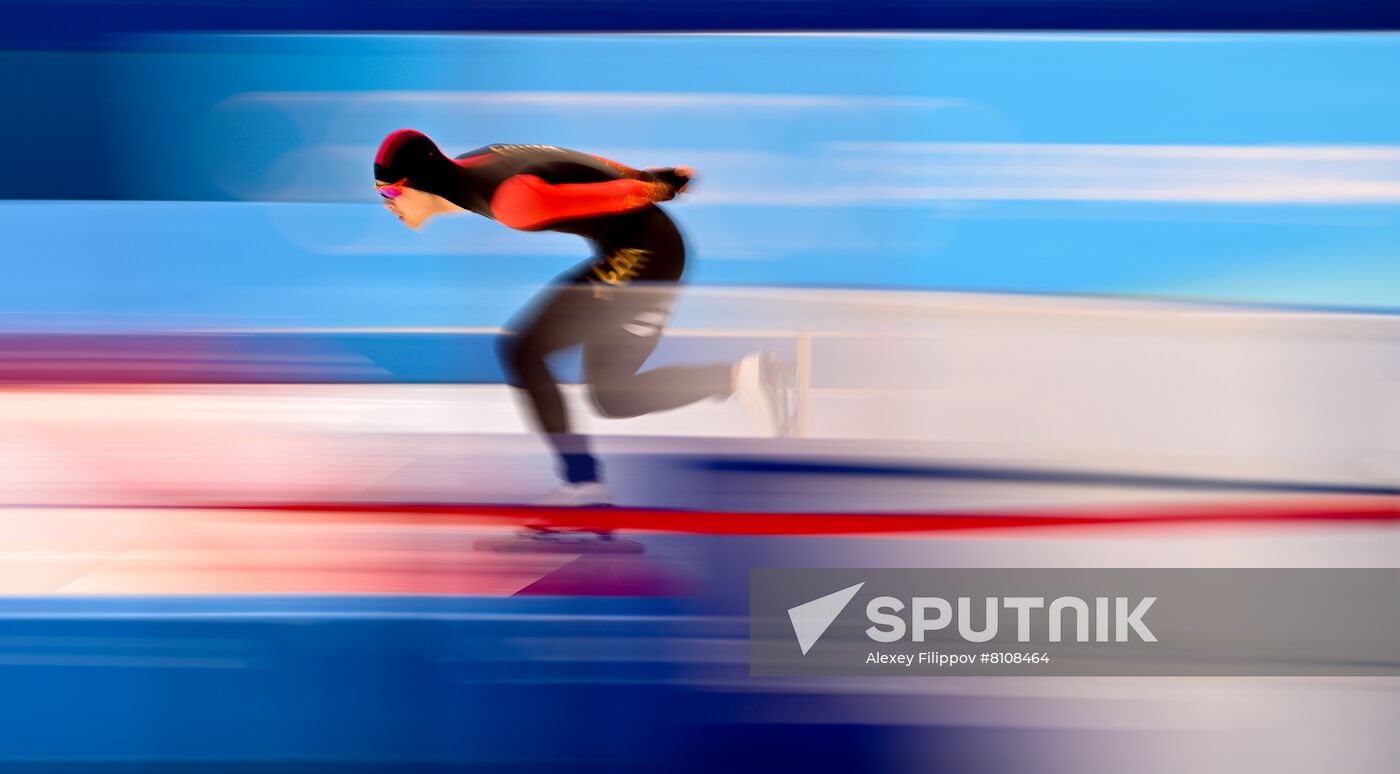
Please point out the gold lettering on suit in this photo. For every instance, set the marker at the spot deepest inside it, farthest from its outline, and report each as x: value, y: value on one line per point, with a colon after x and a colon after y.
x: 617, y: 269
x: 511, y: 150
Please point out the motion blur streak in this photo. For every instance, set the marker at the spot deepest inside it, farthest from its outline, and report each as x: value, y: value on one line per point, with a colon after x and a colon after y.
x: 1102, y: 390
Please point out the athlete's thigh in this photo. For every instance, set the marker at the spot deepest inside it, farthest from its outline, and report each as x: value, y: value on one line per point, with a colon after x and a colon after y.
x: 561, y: 315
x: 627, y: 333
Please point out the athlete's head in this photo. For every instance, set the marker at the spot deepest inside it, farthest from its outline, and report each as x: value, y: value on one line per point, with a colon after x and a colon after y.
x: 415, y: 178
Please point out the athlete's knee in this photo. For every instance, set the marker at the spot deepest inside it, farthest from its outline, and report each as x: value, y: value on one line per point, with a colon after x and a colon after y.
x: 612, y: 399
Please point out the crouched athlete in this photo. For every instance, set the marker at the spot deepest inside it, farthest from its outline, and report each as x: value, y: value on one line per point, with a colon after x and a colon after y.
x: 613, y: 306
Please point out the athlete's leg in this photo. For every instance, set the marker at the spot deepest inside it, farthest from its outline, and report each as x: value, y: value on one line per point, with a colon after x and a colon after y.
x: 561, y: 318
x: 612, y: 357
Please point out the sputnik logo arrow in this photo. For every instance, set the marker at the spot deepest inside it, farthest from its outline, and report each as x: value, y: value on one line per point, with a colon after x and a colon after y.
x: 810, y: 620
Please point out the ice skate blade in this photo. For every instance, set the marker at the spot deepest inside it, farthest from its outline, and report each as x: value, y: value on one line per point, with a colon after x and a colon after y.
x: 559, y: 543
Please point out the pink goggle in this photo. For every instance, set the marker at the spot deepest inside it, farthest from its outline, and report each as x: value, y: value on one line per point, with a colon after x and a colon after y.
x: 390, y: 190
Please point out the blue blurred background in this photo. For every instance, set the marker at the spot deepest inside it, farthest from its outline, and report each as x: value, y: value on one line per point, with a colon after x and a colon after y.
x: 214, y: 180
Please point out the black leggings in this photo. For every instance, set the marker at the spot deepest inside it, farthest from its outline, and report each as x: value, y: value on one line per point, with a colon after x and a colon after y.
x: 618, y: 322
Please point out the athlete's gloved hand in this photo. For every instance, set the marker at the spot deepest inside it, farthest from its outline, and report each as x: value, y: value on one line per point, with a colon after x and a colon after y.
x: 674, y: 178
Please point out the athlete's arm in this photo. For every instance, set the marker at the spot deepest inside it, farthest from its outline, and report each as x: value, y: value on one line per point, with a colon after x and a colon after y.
x: 626, y: 171
x: 676, y: 177
x: 527, y: 201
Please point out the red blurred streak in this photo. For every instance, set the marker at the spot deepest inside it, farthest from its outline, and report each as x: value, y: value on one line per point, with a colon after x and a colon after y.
x: 1333, y: 509
x: 387, y: 548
